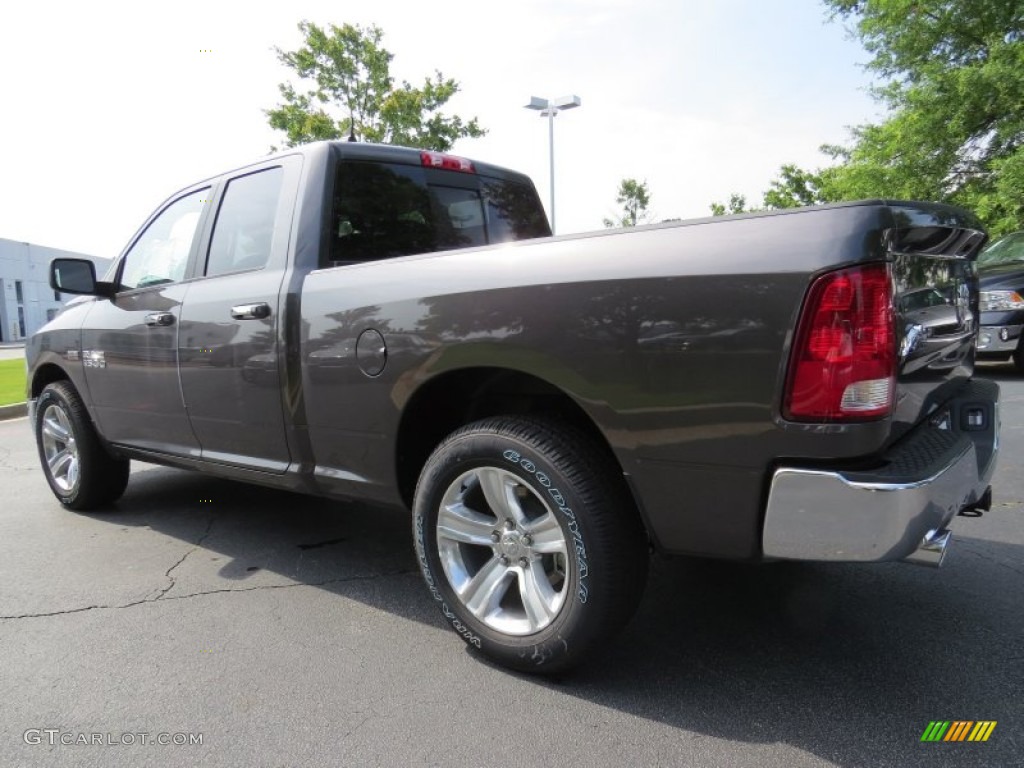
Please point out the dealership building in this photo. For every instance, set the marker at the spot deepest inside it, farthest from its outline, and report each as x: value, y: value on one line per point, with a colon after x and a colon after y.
x: 26, y: 299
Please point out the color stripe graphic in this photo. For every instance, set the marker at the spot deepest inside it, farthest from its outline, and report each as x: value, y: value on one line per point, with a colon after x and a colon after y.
x: 958, y: 730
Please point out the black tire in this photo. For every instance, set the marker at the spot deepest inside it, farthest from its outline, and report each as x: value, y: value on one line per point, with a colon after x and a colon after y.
x: 81, y: 472
x: 539, y: 604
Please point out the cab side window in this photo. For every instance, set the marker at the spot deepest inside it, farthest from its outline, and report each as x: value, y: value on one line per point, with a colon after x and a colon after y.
x: 160, y: 255
x: 244, y: 231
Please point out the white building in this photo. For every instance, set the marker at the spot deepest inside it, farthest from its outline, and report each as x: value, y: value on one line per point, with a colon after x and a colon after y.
x: 26, y: 299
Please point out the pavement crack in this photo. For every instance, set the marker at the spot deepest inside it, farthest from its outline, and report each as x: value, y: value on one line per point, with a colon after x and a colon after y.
x: 325, y: 583
x: 55, y: 613
x: 203, y: 593
x: 172, y: 581
x: 372, y: 714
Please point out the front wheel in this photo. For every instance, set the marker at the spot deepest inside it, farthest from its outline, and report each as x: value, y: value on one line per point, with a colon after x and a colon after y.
x: 529, y: 541
x: 80, y: 471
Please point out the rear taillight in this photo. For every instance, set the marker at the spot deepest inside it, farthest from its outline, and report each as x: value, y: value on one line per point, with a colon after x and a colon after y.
x: 447, y: 162
x: 843, y: 364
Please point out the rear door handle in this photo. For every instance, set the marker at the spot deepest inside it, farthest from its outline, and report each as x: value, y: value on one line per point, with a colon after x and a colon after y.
x: 160, y: 318
x: 257, y: 311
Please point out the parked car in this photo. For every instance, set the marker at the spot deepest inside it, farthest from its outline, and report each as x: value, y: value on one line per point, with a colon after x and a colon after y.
x: 1001, y: 272
x: 397, y: 326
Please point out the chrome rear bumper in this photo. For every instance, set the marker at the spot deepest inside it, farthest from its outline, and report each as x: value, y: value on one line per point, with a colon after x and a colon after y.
x: 899, y: 510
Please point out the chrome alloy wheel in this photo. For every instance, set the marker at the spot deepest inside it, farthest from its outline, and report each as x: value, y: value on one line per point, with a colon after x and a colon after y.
x: 503, y: 551
x: 59, y: 448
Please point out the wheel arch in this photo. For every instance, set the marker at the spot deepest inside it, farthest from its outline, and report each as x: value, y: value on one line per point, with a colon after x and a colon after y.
x: 46, y: 374
x: 458, y: 397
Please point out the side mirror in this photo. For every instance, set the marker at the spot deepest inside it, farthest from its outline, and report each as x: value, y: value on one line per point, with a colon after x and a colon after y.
x: 77, y: 276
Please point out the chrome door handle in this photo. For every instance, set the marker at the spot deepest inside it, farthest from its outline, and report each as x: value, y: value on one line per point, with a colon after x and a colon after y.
x: 160, y: 318
x: 257, y: 311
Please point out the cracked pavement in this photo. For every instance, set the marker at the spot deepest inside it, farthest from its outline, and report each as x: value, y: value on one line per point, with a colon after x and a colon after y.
x: 294, y: 631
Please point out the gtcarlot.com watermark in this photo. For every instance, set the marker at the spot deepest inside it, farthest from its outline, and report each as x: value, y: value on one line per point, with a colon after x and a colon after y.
x: 56, y: 737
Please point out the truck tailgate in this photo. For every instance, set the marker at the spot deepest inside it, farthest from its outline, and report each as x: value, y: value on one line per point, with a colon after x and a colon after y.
x: 933, y: 251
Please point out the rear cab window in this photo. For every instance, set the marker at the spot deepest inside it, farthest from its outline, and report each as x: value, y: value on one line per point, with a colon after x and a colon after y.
x: 384, y: 210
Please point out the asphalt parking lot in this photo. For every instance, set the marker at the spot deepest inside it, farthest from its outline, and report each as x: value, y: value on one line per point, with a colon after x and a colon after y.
x: 288, y: 631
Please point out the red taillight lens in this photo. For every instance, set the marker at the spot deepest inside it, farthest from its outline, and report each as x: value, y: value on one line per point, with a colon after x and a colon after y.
x: 447, y: 162
x: 843, y: 365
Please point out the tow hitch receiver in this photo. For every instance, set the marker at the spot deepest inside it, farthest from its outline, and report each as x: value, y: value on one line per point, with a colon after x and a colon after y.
x: 980, y: 507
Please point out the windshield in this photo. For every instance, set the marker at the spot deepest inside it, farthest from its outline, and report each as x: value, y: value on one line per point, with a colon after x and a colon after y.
x: 1004, y: 251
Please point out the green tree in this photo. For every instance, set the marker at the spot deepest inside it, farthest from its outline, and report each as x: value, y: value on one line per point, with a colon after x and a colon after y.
x: 953, y: 79
x: 951, y: 75
x: 737, y: 204
x: 794, y: 187
x: 634, y: 197
x: 350, y: 91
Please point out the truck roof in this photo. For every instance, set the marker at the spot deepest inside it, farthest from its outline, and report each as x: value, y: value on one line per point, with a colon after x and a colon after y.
x: 387, y: 153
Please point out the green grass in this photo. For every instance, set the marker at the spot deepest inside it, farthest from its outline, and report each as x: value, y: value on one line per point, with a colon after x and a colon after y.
x: 12, y: 381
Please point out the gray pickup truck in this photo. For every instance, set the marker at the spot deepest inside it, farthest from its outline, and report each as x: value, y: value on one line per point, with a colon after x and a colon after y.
x: 399, y: 327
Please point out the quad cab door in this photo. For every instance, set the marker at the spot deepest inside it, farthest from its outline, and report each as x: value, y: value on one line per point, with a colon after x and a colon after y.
x: 229, y: 334
x: 130, y: 341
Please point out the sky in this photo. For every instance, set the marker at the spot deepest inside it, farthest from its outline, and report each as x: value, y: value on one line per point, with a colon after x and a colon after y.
x: 108, y: 108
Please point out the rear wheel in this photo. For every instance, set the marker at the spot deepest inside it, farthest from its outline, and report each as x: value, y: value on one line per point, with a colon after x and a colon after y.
x: 80, y: 471
x: 528, y: 541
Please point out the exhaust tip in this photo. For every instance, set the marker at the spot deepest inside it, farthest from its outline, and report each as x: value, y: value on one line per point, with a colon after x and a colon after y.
x: 932, y: 549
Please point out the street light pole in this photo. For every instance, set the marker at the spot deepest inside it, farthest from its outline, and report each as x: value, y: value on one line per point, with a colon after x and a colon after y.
x: 549, y: 108
x: 551, y: 161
